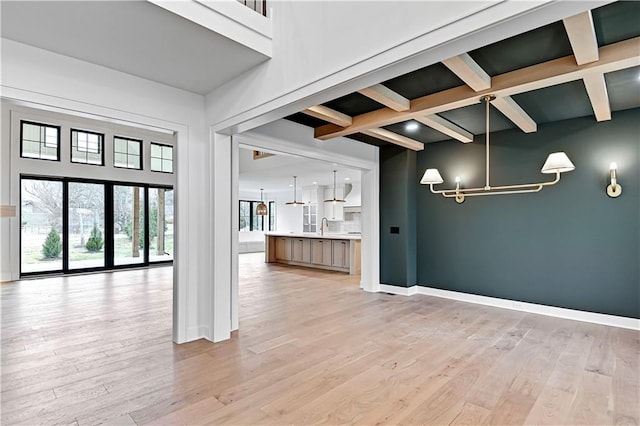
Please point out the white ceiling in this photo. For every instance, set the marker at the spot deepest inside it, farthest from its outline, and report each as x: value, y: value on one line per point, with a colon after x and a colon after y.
x: 135, y: 37
x: 276, y: 173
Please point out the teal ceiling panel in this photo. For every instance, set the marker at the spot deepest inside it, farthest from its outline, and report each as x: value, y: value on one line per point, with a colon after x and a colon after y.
x: 616, y: 22
x: 425, y: 81
x: 530, y: 48
x: 560, y: 102
x: 624, y: 88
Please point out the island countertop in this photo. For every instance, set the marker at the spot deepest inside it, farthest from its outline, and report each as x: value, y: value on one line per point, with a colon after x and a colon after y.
x: 326, y: 236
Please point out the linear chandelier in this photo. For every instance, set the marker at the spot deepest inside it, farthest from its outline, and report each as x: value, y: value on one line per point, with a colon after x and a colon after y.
x: 557, y: 162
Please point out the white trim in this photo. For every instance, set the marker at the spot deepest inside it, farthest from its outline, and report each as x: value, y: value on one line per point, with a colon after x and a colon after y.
x: 401, y: 291
x: 225, y: 237
x: 534, y: 308
x: 370, y: 243
x: 235, y: 241
x: 227, y: 18
x: 258, y: 140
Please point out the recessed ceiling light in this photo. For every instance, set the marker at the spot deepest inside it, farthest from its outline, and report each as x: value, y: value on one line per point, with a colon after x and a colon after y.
x: 314, y: 182
x: 411, y: 126
x: 347, y: 178
x: 290, y: 186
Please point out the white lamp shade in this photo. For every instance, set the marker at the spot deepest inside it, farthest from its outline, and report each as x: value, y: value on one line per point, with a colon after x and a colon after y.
x: 431, y: 176
x: 557, y: 162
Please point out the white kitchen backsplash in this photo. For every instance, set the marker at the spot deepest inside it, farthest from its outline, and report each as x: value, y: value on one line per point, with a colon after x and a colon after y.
x: 351, y: 223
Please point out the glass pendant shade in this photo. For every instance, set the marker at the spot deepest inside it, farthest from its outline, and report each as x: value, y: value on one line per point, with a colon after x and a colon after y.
x: 557, y: 162
x: 261, y: 209
x: 431, y: 176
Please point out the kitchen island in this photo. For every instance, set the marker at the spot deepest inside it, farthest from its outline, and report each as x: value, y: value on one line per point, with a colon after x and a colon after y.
x: 335, y: 252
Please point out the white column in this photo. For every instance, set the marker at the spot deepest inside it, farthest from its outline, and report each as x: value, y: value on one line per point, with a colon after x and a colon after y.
x: 235, y: 225
x: 221, y: 238
x: 370, y: 276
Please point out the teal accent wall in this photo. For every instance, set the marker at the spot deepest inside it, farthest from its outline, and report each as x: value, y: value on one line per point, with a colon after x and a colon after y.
x: 398, y: 209
x: 569, y: 245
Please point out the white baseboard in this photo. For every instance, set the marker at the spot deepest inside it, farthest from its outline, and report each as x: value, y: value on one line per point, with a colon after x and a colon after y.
x: 592, y: 317
x: 402, y: 291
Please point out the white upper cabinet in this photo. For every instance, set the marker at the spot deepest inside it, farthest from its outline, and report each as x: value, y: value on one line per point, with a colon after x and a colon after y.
x: 334, y: 211
x: 310, y: 196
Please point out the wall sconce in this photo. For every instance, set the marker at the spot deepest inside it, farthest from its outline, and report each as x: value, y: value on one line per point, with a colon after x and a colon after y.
x: 614, y: 189
x: 459, y: 195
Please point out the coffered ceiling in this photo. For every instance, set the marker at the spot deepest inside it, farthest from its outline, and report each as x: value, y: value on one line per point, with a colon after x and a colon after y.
x: 588, y: 64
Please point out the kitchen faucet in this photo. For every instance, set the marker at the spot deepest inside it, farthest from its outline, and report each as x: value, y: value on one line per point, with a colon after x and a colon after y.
x: 324, y: 219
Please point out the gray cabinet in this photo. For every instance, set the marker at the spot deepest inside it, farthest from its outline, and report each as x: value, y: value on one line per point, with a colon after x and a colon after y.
x: 301, y: 250
x: 283, y: 248
x: 340, y: 254
x: 321, y: 252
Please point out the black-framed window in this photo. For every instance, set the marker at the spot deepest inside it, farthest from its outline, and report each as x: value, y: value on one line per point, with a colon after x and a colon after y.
x: 272, y: 215
x: 249, y: 220
x: 87, y: 147
x: 161, y: 158
x: 39, y: 141
x: 71, y: 225
x: 127, y: 153
x: 257, y: 221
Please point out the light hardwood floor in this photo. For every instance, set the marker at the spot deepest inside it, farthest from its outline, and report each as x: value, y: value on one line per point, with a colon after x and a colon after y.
x: 312, y: 348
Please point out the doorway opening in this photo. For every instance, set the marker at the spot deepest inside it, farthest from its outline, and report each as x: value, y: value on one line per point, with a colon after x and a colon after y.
x: 356, y: 182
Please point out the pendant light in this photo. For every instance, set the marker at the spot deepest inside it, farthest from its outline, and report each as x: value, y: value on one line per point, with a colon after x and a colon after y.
x: 557, y: 163
x: 261, y: 209
x: 294, y: 202
x: 334, y: 200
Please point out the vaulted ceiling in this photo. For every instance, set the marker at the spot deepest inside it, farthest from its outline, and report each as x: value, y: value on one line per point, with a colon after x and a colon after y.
x: 588, y: 64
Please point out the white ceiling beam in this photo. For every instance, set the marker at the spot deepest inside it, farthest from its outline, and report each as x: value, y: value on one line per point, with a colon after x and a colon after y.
x: 582, y: 36
x: 597, y: 91
x: 613, y: 57
x: 330, y: 115
x: 515, y: 113
x: 469, y: 71
x: 395, y: 138
x: 386, y: 97
x: 448, y: 128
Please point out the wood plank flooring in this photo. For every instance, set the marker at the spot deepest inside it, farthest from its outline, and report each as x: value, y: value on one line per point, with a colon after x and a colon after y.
x: 312, y: 349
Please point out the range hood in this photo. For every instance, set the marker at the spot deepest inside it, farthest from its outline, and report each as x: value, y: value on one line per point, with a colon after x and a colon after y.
x: 352, y: 195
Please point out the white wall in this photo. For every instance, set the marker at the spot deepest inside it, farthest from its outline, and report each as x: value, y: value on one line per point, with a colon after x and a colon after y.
x: 76, y: 87
x: 288, y: 218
